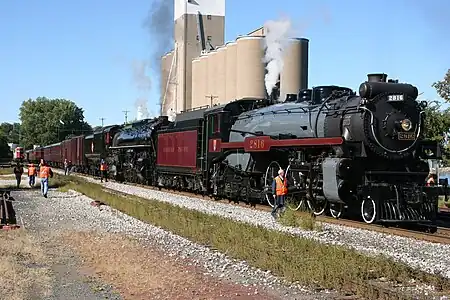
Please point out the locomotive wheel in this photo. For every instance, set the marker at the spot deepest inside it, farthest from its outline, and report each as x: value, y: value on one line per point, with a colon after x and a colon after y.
x: 317, y: 207
x: 368, y: 210
x: 294, y: 202
x: 336, y: 210
x: 271, y: 173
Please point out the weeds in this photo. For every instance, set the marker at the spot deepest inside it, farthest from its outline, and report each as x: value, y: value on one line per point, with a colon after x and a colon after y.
x: 303, y: 220
x: 297, y: 259
x: 6, y: 171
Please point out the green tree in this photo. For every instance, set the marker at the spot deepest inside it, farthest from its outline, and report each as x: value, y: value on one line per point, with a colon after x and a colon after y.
x: 47, y: 121
x: 443, y: 87
x: 11, y: 132
x: 4, y: 148
x: 437, y: 121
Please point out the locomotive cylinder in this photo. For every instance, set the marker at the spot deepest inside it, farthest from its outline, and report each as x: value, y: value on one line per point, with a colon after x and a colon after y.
x: 294, y: 76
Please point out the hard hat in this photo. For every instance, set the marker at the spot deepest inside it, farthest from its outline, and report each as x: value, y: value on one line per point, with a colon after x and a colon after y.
x: 280, y: 171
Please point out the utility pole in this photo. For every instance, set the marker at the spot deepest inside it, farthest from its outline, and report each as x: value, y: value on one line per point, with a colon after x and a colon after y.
x: 211, y: 98
x: 101, y: 119
x: 126, y: 115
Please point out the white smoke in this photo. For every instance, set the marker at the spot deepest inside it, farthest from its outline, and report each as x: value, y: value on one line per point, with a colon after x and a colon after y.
x: 172, y: 115
x: 141, y: 109
x: 277, y: 35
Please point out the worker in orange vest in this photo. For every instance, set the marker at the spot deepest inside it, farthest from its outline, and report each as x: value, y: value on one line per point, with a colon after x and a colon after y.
x: 32, y: 172
x: 103, y: 170
x: 279, y: 191
x: 44, y: 173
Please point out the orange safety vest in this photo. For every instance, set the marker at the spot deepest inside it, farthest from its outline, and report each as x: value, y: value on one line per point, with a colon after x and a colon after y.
x: 103, y: 167
x: 430, y: 181
x: 45, y: 172
x: 281, y: 186
x: 31, y: 171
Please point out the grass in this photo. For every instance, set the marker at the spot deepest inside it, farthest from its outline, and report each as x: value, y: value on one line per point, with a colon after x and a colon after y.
x: 24, y: 275
x: 303, y: 220
x: 6, y: 171
x: 442, y: 202
x: 297, y: 259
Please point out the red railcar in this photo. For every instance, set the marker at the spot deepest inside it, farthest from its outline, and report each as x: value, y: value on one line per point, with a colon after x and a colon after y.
x: 52, y: 154
x: 73, y: 151
x: 177, y: 149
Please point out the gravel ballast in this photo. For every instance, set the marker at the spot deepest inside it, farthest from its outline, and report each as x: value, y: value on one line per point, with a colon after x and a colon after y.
x: 72, y: 211
x: 426, y: 256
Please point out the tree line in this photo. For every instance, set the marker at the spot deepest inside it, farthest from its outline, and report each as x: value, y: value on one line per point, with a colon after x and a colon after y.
x: 45, y: 121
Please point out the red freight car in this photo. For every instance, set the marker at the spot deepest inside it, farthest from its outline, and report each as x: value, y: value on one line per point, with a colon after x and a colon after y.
x: 177, y: 149
x: 52, y: 154
x: 72, y: 150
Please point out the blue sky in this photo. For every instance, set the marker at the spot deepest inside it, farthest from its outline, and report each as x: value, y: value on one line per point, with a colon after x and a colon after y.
x: 83, y: 50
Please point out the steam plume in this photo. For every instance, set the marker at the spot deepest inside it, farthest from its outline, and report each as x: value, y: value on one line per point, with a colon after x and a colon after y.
x: 277, y: 35
x: 143, y: 84
x: 159, y: 24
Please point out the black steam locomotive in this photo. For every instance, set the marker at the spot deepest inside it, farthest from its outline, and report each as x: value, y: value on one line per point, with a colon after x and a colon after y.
x: 343, y: 152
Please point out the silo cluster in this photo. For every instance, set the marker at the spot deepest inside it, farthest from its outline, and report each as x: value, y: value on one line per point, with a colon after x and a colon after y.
x: 237, y: 70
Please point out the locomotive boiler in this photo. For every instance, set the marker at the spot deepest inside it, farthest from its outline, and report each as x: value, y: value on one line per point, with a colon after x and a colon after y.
x: 132, y: 155
x: 357, y: 153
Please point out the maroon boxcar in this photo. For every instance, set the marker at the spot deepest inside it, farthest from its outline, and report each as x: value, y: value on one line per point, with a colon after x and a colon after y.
x: 177, y: 149
x: 52, y: 154
x: 73, y: 151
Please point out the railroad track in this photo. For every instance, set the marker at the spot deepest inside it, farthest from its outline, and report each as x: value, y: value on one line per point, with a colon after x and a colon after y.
x: 441, y: 236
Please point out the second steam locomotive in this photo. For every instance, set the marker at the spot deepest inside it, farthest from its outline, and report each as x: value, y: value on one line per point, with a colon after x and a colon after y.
x: 344, y: 152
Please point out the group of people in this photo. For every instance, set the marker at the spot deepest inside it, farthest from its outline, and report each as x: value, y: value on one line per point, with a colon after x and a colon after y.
x: 45, y: 172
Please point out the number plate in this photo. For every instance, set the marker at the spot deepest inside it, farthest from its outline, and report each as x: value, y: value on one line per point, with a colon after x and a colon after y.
x: 406, y: 136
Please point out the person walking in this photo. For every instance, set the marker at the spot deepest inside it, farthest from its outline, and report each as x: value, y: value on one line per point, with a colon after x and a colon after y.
x: 103, y: 171
x: 18, y: 171
x: 44, y: 173
x: 66, y: 166
x: 32, y: 172
x: 279, y: 191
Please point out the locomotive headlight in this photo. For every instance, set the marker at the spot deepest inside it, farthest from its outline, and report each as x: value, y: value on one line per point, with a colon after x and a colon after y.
x: 406, y: 124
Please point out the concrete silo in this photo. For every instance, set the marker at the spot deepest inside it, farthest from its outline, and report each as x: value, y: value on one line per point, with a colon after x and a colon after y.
x: 211, y: 96
x: 221, y: 74
x: 195, y: 83
x: 294, y: 76
x: 203, y: 80
x: 230, y: 72
x: 250, y: 67
x: 167, y: 72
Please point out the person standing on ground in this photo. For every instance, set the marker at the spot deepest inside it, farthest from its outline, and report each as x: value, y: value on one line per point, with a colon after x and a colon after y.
x: 103, y: 170
x: 32, y: 172
x: 44, y: 173
x: 18, y: 171
x: 66, y: 166
x: 279, y: 191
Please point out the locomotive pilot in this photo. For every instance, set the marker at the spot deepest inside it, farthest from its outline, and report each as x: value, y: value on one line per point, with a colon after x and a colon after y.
x: 279, y: 191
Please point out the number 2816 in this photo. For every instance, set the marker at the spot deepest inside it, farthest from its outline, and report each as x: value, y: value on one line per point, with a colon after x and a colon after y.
x: 257, y: 144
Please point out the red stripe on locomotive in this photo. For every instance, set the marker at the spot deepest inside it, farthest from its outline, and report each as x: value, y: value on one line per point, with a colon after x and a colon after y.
x: 177, y: 149
x: 265, y: 143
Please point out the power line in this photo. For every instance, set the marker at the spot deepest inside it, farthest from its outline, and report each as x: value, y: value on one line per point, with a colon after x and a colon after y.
x: 102, y: 119
x: 126, y: 115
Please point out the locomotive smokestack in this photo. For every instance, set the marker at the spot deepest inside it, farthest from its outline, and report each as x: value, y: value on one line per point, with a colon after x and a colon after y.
x: 377, y: 77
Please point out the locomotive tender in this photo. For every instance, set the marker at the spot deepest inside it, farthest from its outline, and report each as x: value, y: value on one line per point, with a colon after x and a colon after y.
x: 361, y: 154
